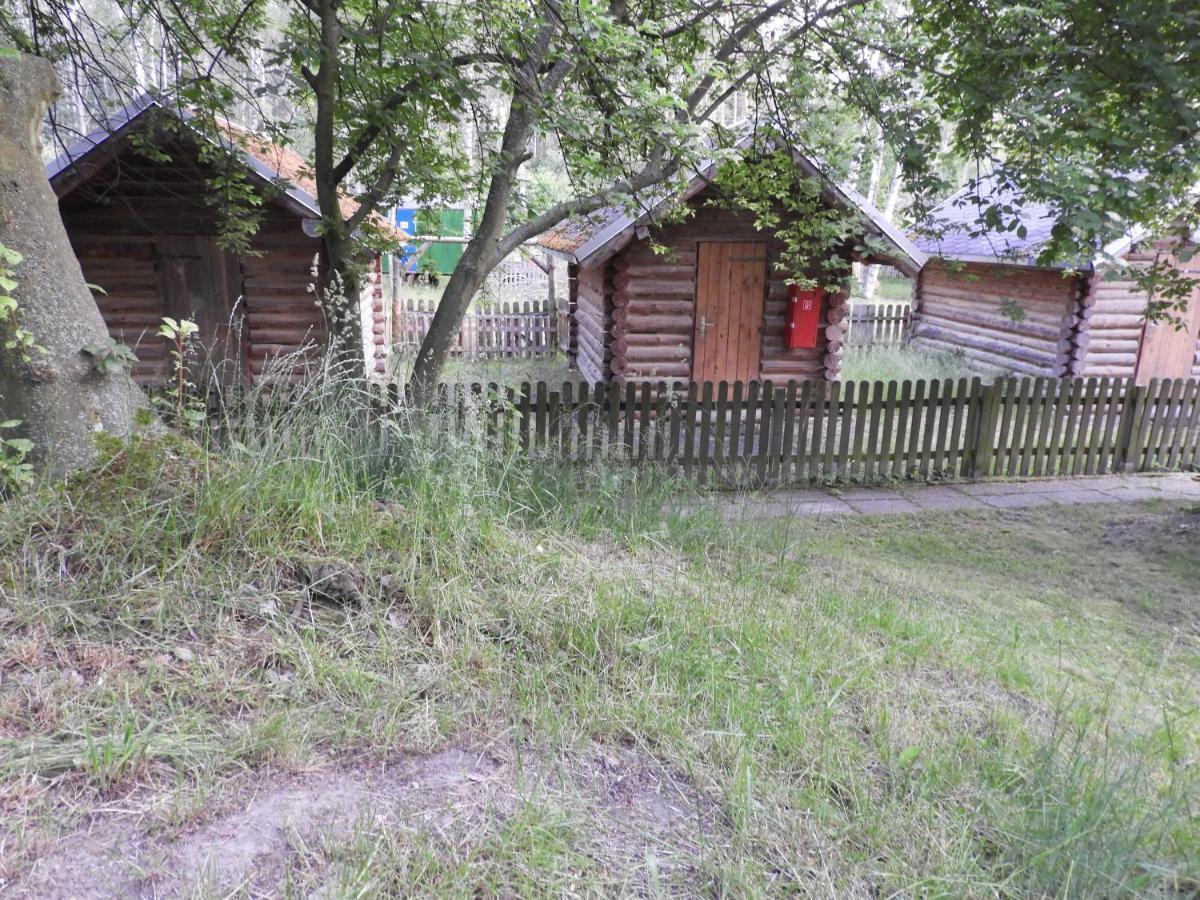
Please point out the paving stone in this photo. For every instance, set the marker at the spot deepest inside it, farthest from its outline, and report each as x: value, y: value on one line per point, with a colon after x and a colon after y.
x: 1135, y: 492
x: 830, y: 507
x: 883, y: 505
x: 1080, y: 496
x: 988, y: 488
x: 950, y: 500
x: 1016, y: 501
x: 884, y: 493
x: 1060, y: 485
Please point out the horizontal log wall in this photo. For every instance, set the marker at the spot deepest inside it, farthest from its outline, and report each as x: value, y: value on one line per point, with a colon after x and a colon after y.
x: 1111, y: 339
x: 593, y: 317
x: 123, y: 268
x: 1002, y: 318
x: 756, y: 433
x: 653, y: 297
x: 1114, y: 317
x: 282, y: 316
x: 115, y: 221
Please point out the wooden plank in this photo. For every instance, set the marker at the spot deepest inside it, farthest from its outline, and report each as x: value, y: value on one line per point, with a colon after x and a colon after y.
x: 689, y: 436
x: 964, y: 401
x: 1184, y: 417
x: 915, y: 420
x: 873, y: 409
x: 526, y: 416
x: 832, y: 417
x: 1071, y: 426
x: 706, y: 415
x: 885, y: 461
x: 846, y: 427
x: 1035, y: 413
x: 749, y: 427
x: 672, y: 399
x: 1190, y: 457
x: 791, y: 421
x: 720, y: 454
x: 904, y: 425
x: 862, y: 412
x: 927, y: 431
x: 630, y: 411
x: 734, y: 459
x: 812, y: 449
x: 645, y: 423
x: 945, y: 405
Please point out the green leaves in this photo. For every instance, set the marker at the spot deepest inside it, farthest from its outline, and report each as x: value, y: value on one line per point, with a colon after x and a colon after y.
x: 110, y: 357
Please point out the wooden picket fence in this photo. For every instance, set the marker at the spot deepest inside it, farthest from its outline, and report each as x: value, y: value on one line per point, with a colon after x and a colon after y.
x: 759, y: 433
x: 502, y: 330
x: 879, y: 325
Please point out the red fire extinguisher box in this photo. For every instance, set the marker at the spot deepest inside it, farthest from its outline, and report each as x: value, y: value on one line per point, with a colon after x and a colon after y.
x: 804, y: 316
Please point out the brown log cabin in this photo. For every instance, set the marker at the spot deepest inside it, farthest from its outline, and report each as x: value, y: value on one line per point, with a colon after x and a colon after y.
x: 715, y: 305
x: 136, y: 201
x: 984, y: 294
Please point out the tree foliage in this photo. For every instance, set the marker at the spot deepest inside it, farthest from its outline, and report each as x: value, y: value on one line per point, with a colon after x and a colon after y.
x: 1089, y: 107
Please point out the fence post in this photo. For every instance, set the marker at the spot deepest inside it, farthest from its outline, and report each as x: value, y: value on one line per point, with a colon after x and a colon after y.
x: 1129, y: 432
x: 977, y: 462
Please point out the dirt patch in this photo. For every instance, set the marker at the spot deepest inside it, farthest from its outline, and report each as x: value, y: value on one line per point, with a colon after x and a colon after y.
x: 1153, y: 540
x: 634, y: 808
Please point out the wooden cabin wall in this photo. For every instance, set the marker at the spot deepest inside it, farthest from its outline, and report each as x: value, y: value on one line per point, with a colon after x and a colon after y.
x: 376, y: 325
x: 123, y: 265
x: 1114, y: 319
x: 593, y: 315
x: 132, y: 213
x: 969, y: 310
x: 282, y: 317
x: 654, y: 297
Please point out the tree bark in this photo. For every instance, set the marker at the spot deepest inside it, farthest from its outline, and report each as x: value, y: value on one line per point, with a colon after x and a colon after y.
x: 340, y: 279
x: 480, y: 256
x: 60, y: 399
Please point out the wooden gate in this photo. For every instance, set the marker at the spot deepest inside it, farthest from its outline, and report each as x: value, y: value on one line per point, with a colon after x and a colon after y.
x: 731, y: 280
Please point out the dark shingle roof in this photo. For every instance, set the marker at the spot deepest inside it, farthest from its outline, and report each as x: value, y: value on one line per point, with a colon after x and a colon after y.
x: 272, y: 164
x: 956, y: 228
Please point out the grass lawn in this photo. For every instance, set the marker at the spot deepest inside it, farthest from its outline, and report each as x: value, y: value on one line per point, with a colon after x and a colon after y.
x: 344, y: 661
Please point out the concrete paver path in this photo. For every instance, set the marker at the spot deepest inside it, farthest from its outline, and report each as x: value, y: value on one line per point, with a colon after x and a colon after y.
x: 1011, y: 494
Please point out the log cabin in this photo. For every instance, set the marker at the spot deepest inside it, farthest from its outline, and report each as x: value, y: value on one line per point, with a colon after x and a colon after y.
x: 715, y: 306
x: 984, y: 294
x: 136, y: 201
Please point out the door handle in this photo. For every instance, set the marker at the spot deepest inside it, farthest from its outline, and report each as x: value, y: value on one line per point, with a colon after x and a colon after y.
x: 704, y: 326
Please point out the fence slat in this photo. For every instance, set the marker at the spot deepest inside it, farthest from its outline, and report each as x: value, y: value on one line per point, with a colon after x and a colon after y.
x: 757, y: 433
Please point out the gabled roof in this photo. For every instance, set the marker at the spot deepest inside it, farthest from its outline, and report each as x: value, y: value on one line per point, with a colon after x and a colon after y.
x: 271, y: 165
x: 591, y: 240
x: 962, y: 235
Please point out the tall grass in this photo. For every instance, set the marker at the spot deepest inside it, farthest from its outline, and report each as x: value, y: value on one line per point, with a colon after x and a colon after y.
x: 905, y: 363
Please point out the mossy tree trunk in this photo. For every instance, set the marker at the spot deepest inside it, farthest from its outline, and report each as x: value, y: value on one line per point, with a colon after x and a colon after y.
x: 61, y: 400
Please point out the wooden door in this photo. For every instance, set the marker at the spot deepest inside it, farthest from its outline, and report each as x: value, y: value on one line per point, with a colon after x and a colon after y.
x: 200, y: 281
x: 1167, y: 351
x: 731, y: 280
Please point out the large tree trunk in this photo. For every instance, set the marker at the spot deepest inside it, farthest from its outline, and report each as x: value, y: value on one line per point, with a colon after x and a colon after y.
x: 57, y: 394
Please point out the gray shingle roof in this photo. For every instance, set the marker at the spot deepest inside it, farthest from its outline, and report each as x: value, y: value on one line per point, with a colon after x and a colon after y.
x: 959, y: 231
